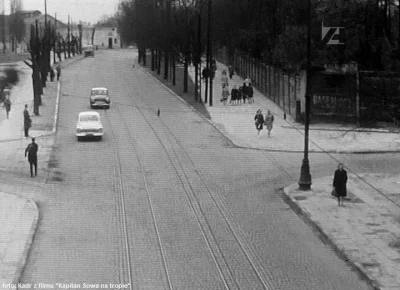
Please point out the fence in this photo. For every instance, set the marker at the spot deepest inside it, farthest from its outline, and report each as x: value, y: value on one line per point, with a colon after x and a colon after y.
x: 282, y: 88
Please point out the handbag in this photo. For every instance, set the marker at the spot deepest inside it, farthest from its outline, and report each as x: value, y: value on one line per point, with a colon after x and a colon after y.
x: 334, y: 193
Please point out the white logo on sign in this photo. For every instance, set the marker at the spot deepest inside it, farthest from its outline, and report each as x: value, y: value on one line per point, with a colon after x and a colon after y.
x: 325, y: 31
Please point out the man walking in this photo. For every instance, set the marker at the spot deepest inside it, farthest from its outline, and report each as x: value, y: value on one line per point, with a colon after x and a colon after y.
x: 27, y: 121
x: 58, y: 72
x: 7, y: 106
x: 32, y: 150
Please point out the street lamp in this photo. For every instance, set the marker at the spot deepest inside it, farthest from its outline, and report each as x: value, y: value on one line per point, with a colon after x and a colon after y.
x: 209, y: 49
x: 305, y: 176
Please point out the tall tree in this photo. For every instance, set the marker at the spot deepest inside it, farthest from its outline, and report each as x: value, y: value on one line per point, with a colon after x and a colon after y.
x: 16, y: 23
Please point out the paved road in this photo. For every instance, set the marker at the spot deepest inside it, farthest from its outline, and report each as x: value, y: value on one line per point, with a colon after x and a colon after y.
x: 168, y: 203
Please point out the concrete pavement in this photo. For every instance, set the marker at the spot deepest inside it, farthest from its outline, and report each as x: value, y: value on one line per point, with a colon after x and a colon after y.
x: 19, y: 216
x: 366, y: 230
x: 237, y: 123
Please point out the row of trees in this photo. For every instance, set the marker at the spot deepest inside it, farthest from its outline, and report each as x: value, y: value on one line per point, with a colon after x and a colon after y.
x: 273, y: 31
x: 41, y: 43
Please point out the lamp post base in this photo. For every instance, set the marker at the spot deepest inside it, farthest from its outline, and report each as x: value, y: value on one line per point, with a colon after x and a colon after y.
x: 305, y: 176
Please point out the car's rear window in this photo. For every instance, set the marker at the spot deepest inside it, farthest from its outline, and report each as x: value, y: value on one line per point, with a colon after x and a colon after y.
x: 99, y: 92
x: 89, y: 118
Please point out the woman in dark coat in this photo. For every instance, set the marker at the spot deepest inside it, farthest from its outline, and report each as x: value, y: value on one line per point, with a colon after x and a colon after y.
x: 259, y: 121
x: 339, y: 183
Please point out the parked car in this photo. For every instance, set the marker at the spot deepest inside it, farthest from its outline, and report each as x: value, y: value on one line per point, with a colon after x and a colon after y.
x: 99, y: 97
x: 89, y: 50
x: 89, y: 125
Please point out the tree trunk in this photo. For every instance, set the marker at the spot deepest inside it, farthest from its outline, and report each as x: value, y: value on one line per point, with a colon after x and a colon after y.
x: 144, y: 57
x: 185, y: 75
x: 159, y: 63
x: 65, y: 50
x: 152, y: 60
x: 166, y: 64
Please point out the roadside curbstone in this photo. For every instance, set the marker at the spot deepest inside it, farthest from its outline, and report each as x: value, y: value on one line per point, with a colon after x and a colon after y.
x: 326, y: 238
x: 23, y: 227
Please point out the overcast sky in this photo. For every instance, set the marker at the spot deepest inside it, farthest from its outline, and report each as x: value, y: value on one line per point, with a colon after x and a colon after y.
x: 85, y: 10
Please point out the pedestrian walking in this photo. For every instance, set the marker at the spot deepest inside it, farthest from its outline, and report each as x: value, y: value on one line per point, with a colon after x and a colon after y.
x: 269, y: 122
x: 250, y: 93
x: 231, y: 71
x: 58, y: 69
x: 224, y: 79
x: 239, y: 95
x: 32, y: 150
x: 225, y: 95
x: 52, y: 75
x: 259, y: 121
x: 234, y: 95
x: 339, y: 183
x: 27, y: 121
x: 245, y: 92
x: 7, y: 106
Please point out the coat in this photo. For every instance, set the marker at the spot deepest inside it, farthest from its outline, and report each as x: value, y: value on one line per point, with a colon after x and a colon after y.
x: 7, y: 104
x: 269, y: 121
x: 259, y: 118
x: 32, y: 150
x: 27, y: 119
x: 339, y: 182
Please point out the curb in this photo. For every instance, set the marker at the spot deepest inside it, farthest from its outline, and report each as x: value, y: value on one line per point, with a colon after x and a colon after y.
x: 341, y: 130
x: 54, y: 130
x: 305, y: 216
x: 57, y: 108
x: 261, y: 149
x: 28, y: 242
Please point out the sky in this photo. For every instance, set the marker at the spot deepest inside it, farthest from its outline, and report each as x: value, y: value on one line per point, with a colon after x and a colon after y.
x: 79, y: 10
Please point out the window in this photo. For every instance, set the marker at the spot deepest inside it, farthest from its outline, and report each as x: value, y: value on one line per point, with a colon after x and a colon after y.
x: 89, y: 118
x: 99, y: 92
x: 115, y: 40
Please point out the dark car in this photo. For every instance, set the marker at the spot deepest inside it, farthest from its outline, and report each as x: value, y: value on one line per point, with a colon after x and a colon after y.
x: 89, y: 50
x: 99, y: 98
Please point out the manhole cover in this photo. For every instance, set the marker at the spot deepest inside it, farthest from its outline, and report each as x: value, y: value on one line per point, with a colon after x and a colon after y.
x: 56, y: 178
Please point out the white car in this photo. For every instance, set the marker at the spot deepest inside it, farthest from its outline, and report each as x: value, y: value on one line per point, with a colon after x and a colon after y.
x: 89, y: 125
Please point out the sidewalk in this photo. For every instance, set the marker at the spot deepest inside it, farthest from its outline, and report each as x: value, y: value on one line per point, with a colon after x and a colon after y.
x: 366, y: 230
x: 19, y: 219
x: 237, y: 122
x: 19, y: 215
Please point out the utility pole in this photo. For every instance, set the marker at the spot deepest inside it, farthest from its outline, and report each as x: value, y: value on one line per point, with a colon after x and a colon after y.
x: 55, y: 32
x: 68, y: 40
x: 198, y: 59
x: 45, y: 15
x: 3, y: 25
x: 305, y: 176
x: 209, y: 48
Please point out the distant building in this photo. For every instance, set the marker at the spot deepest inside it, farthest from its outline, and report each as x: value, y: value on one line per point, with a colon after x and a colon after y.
x: 106, y: 37
x: 30, y: 17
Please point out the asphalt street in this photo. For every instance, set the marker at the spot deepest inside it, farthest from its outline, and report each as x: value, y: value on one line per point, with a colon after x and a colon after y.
x: 169, y: 203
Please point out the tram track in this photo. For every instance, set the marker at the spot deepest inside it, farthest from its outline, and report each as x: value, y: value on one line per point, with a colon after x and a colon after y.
x: 195, y: 204
x: 149, y: 199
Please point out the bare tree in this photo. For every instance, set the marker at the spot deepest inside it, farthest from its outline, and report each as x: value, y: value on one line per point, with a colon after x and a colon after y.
x: 16, y: 24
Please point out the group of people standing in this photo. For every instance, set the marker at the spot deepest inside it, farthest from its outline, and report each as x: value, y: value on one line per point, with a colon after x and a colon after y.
x: 238, y: 94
